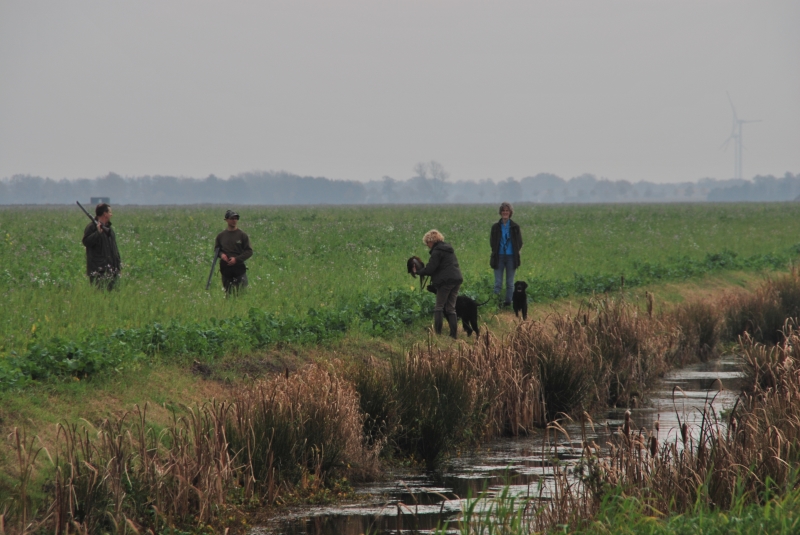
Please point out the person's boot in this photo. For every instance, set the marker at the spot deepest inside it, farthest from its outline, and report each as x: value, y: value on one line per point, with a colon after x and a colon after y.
x: 452, y: 319
x: 437, y: 322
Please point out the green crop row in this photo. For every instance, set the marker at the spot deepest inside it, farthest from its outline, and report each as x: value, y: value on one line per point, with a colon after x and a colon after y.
x: 93, y: 351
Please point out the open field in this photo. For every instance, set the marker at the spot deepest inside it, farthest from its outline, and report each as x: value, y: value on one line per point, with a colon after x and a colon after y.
x: 345, y: 258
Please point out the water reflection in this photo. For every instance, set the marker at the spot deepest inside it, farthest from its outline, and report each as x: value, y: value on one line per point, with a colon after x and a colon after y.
x: 418, y: 503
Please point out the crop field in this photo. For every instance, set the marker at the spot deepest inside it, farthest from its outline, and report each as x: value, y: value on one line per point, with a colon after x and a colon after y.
x: 320, y: 270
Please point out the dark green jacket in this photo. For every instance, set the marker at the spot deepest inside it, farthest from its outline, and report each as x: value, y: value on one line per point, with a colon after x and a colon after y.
x: 494, y: 240
x: 234, y: 243
x: 102, y: 255
x: 443, y: 267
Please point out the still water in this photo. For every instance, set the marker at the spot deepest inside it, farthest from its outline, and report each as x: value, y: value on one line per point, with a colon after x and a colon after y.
x: 416, y: 503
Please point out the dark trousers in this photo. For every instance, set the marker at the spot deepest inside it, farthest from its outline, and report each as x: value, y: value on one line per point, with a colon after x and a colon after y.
x: 446, y: 296
x: 234, y: 284
x: 104, y: 281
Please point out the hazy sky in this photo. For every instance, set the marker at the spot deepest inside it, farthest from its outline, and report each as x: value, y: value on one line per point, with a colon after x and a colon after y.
x: 632, y: 90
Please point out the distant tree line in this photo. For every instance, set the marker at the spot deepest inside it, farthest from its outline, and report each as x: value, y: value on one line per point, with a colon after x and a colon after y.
x: 430, y: 184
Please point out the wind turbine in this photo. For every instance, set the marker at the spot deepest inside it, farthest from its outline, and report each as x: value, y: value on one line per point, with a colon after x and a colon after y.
x: 736, y: 136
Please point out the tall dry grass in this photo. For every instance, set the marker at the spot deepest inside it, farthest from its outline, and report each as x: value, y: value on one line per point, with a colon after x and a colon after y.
x: 724, y: 465
x: 762, y: 313
x: 293, y: 426
x: 700, y: 325
x: 755, y: 450
x: 124, y: 476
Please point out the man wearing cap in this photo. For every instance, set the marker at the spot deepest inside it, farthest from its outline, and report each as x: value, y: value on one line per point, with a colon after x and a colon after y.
x: 234, y: 249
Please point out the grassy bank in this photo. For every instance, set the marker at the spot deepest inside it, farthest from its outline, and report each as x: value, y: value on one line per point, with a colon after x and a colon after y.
x: 776, y: 513
x: 301, y: 433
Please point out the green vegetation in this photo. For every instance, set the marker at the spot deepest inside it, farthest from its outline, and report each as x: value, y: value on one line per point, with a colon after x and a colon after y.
x: 319, y: 272
x: 624, y: 515
x: 336, y: 277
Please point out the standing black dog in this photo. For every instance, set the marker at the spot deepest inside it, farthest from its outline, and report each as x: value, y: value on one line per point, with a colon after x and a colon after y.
x: 520, y: 299
x: 467, y: 310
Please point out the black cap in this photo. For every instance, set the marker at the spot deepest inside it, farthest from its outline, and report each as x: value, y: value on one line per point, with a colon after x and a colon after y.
x: 230, y: 214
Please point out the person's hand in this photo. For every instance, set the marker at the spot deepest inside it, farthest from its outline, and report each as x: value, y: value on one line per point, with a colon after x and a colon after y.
x: 232, y: 261
x: 224, y: 257
x: 99, y: 227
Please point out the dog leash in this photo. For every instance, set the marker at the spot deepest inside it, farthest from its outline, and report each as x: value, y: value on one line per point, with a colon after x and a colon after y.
x: 422, y: 280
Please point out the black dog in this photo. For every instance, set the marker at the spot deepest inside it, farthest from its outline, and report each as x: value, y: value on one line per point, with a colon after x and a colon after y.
x: 520, y: 299
x: 414, y: 261
x: 417, y: 262
x: 467, y: 310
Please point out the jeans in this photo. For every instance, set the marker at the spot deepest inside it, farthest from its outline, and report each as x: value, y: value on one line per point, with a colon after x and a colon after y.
x: 505, y: 261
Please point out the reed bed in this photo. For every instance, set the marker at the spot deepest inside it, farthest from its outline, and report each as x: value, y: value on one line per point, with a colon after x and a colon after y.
x: 293, y: 434
x: 735, y: 476
x: 297, y: 428
x: 755, y: 451
x: 762, y: 313
x: 286, y: 433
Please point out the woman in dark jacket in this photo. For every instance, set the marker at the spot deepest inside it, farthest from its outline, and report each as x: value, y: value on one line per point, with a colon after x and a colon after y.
x: 446, y: 276
x: 506, y: 241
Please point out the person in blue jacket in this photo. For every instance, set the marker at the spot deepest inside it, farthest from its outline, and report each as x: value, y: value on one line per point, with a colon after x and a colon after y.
x: 506, y: 241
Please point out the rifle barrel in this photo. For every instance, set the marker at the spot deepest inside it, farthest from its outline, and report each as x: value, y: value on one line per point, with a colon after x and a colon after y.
x: 213, y: 263
x: 94, y: 219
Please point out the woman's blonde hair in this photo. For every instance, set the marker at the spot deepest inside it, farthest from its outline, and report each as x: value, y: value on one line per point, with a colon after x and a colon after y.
x: 506, y: 205
x: 432, y: 236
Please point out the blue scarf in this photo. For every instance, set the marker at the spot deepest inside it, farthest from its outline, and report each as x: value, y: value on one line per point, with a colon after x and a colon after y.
x: 505, y: 241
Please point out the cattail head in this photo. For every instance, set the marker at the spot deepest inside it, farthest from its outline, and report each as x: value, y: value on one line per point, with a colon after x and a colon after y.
x: 653, y: 446
x: 684, y: 433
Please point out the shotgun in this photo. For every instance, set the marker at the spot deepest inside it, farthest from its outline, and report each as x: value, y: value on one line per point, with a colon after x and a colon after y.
x: 213, y: 263
x: 94, y: 220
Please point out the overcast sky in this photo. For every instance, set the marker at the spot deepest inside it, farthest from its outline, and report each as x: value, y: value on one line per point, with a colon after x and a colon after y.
x: 632, y: 90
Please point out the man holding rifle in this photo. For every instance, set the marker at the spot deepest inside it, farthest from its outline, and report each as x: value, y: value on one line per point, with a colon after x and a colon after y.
x: 234, y: 248
x: 102, y: 256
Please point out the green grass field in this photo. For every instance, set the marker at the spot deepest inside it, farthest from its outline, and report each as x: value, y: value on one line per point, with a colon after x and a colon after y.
x: 348, y: 261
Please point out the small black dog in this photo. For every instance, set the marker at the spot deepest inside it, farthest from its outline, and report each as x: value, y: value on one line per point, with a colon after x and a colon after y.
x: 520, y: 299
x: 410, y: 264
x: 414, y: 261
x: 467, y: 310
